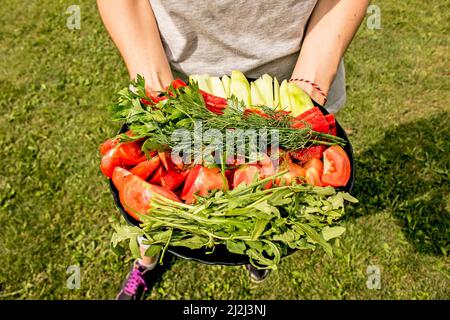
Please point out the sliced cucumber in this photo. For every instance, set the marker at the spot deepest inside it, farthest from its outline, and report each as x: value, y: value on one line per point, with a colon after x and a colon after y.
x: 217, y: 87
x: 240, y: 87
x: 226, y: 81
x: 300, y: 100
x: 257, y: 99
x: 267, y: 91
x: 203, y: 81
x: 285, y: 102
x: 276, y: 93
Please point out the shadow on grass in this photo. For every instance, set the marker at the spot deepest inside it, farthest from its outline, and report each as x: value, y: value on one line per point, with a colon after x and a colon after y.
x: 168, y: 261
x: 406, y: 173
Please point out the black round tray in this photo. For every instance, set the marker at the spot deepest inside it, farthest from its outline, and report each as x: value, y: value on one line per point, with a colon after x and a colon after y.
x: 220, y: 254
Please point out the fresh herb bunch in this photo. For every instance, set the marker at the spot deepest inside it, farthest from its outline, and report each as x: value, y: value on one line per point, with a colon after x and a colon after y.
x: 264, y: 224
x: 184, y: 106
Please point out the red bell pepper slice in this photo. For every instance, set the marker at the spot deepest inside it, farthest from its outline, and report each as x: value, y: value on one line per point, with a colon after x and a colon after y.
x: 213, y: 103
x: 304, y: 155
x: 332, y: 122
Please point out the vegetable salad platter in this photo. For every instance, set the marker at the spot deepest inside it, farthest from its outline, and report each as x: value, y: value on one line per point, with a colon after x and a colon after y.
x: 227, y: 171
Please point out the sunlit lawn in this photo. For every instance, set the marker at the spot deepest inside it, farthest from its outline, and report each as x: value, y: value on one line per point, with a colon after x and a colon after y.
x: 56, y: 210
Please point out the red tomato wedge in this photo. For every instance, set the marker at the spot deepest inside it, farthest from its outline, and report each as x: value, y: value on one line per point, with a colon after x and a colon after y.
x: 263, y: 168
x: 124, y: 154
x: 165, y: 160
x: 266, y: 169
x: 245, y: 174
x: 296, y: 174
x: 190, y: 180
x: 314, y: 169
x: 200, y: 181
x: 173, y: 179
x: 144, y: 169
x: 314, y: 163
x: 135, y: 195
x: 108, y: 145
x: 313, y: 177
x: 118, y: 177
x: 170, y: 162
x: 156, y: 178
x: 336, y: 167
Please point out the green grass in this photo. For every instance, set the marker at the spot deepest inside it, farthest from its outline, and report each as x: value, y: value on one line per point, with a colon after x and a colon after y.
x: 56, y: 211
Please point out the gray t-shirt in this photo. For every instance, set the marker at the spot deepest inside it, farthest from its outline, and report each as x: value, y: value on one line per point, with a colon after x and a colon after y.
x: 256, y: 37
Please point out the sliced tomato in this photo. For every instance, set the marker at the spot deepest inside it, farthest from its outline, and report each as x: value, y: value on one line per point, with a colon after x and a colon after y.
x: 118, y: 177
x: 109, y: 162
x: 305, y: 154
x: 171, y: 162
x: 201, y: 180
x: 146, y: 168
x: 173, y: 179
x: 165, y: 160
x: 156, y: 178
x: 337, y: 168
x: 136, y: 194
x: 124, y: 154
x: 296, y: 174
x: 314, y: 169
x: 314, y: 163
x: 313, y: 177
x: 245, y: 174
x: 267, y: 168
x: 130, y: 153
x: 190, y: 180
x: 108, y: 145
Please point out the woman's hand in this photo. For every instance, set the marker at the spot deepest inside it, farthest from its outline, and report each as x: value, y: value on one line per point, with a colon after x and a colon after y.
x: 133, y: 28
x: 330, y: 30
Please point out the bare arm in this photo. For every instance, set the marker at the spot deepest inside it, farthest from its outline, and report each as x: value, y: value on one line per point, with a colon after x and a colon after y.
x: 133, y: 28
x: 331, y: 28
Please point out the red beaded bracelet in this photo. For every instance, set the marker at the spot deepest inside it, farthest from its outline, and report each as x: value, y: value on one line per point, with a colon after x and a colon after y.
x: 313, y: 84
